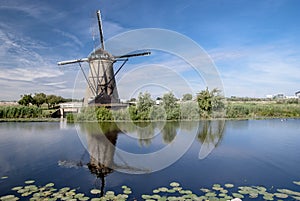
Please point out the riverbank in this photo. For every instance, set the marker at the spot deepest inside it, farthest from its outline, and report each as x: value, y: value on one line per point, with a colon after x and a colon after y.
x: 30, y: 120
x: 233, y: 110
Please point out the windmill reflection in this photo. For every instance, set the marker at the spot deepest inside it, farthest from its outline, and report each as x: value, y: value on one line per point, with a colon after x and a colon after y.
x: 101, y: 140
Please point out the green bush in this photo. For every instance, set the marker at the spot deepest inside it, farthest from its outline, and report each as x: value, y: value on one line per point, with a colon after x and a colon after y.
x: 8, y: 112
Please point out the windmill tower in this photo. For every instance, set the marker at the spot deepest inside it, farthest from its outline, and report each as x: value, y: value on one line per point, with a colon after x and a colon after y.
x: 101, y: 83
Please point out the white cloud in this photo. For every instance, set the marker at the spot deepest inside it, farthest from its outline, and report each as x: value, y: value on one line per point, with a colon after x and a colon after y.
x: 70, y: 36
x: 259, y: 70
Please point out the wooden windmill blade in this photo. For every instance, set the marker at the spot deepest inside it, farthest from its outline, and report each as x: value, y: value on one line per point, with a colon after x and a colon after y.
x: 100, y: 29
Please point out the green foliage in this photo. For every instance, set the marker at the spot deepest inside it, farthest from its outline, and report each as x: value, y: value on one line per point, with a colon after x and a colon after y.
x: 252, y: 110
x: 70, y: 118
x: 103, y: 114
x: 171, y: 106
x: 7, y: 112
x: 205, y: 100
x: 187, y: 97
x: 158, y: 113
x: 53, y: 100
x: 121, y: 115
x: 87, y: 114
x: 144, y: 106
x: 210, y: 102
x: 133, y: 113
x: 39, y: 99
x: 26, y: 99
x: 189, y: 110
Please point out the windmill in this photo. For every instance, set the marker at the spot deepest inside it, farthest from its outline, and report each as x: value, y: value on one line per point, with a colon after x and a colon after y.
x: 101, y: 83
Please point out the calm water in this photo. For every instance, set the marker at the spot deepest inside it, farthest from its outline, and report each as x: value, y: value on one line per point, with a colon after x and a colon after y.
x: 144, y: 157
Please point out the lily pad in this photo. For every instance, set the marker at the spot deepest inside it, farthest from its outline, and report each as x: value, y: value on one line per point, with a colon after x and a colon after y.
x: 204, y: 190
x: 281, y: 195
x: 95, y: 191
x: 127, y: 191
x: 237, y: 195
x: 174, y: 184
x: 297, y: 182
x: 49, y: 184
x: 17, y: 188
x: 211, y: 194
x: 156, y: 191
x: 229, y: 185
x: 296, y: 197
x: 29, y: 182
x: 163, y: 189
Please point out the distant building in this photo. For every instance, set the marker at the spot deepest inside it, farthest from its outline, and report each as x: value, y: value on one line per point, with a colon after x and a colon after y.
x: 279, y: 96
x: 269, y: 96
x: 291, y: 97
x: 297, y: 94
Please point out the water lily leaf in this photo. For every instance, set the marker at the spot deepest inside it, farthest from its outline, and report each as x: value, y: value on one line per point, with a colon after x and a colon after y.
x: 84, y: 198
x: 171, y: 191
x: 95, y: 199
x: 29, y: 182
x: 229, y: 185
x: 163, y: 189
x: 49, y: 185
x: 297, y: 182
x: 174, y: 184
x: 296, y: 197
x: 6, y: 197
x: 281, y: 195
x: 237, y: 195
x: 217, y: 185
x: 95, y: 191
x: 204, y: 190
x: 127, y: 191
x: 17, y: 188
x: 156, y: 191
x: 224, y: 191
x: 145, y: 197
x: 210, y: 194
x: 265, y: 197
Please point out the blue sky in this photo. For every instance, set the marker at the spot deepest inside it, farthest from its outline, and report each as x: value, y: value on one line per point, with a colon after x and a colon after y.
x: 255, y: 45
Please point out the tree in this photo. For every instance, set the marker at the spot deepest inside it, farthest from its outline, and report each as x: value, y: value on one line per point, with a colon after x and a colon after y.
x: 26, y: 99
x: 53, y: 100
x: 144, y: 105
x: 210, y: 101
x: 39, y: 99
x: 205, y: 100
x: 187, y: 97
x: 171, y: 106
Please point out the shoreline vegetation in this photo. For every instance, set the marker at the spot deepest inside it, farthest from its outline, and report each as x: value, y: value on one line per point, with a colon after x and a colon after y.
x: 208, y: 105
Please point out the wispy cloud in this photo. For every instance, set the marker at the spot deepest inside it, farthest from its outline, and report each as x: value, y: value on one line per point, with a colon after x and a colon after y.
x: 258, y: 69
x: 72, y: 37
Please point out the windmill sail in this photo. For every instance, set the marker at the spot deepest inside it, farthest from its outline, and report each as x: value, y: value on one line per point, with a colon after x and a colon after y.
x: 101, y: 83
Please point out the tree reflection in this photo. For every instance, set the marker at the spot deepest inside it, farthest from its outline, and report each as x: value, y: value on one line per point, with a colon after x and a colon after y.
x: 210, y: 135
x: 169, y: 131
x: 145, y: 133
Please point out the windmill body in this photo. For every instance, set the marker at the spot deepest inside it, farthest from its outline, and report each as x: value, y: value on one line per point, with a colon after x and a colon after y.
x: 101, y: 88
x: 101, y: 84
